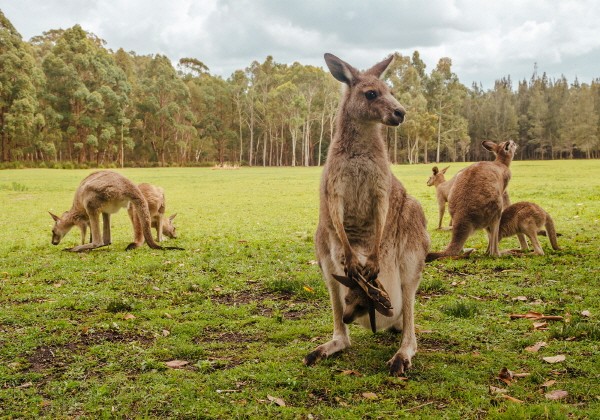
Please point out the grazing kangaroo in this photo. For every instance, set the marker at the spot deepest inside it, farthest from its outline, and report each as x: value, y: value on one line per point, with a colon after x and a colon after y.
x: 369, y: 228
x: 155, y: 196
x: 442, y: 190
x: 525, y: 218
x: 477, y: 198
x: 104, y: 192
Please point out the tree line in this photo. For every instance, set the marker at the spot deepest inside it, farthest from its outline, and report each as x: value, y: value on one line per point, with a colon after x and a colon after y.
x: 65, y: 99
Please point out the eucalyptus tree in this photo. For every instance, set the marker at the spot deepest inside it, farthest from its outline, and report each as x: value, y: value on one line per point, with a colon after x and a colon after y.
x: 445, y: 94
x: 20, y: 80
x: 162, y: 104
x: 579, y: 127
x: 88, y: 91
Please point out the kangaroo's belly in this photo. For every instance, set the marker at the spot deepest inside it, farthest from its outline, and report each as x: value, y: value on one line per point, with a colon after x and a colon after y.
x: 114, y: 206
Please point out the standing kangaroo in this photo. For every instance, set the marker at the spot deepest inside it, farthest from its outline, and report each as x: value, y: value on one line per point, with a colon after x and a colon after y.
x: 155, y: 196
x: 369, y: 228
x: 477, y: 198
x: 104, y: 192
x: 525, y: 218
x: 442, y: 190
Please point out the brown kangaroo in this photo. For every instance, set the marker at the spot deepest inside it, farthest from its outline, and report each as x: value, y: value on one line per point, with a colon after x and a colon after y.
x: 477, y: 198
x: 104, y: 192
x: 525, y: 218
x: 442, y: 190
x: 369, y: 228
x: 155, y: 196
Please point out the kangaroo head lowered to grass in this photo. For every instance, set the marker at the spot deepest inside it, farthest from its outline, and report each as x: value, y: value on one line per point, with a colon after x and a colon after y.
x: 104, y: 192
x: 371, y: 238
x: 477, y: 198
x: 155, y: 197
x: 525, y: 218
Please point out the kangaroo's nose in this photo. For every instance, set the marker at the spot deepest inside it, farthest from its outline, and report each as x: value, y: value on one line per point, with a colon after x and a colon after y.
x: 400, y: 113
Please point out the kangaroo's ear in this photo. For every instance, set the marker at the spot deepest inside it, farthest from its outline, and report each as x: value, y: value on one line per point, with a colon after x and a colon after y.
x: 435, y: 170
x: 445, y: 169
x: 378, y: 70
x: 489, y: 145
x: 55, y: 217
x: 171, y: 217
x: 341, y: 70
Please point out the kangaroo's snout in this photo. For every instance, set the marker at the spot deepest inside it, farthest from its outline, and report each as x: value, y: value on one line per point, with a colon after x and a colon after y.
x: 400, y: 113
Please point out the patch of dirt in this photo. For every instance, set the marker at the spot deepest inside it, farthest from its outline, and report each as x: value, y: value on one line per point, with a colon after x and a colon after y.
x: 231, y: 337
x: 285, y: 303
x: 56, y: 357
x: 112, y: 336
x: 44, y: 358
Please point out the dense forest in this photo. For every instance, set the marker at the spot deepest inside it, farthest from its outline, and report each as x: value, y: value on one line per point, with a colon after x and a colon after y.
x: 66, y: 100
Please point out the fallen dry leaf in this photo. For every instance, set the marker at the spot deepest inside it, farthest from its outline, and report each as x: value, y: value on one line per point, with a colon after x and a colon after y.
x: 549, y: 383
x: 166, y: 333
x: 555, y: 359
x: 521, y: 298
x: 177, y: 364
x: 129, y: 316
x: 521, y: 375
x: 369, y: 395
x: 496, y: 390
x: 25, y: 385
x: 308, y: 289
x: 586, y: 314
x: 351, y: 373
x: 540, y: 325
x: 509, y: 398
x: 276, y: 400
x: 557, y: 394
x: 536, y: 315
x: 168, y: 315
x: 536, y: 347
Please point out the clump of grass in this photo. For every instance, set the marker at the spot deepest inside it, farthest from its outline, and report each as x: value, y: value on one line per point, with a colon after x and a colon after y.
x: 578, y: 331
x: 119, y: 305
x: 433, y: 286
x: 462, y: 310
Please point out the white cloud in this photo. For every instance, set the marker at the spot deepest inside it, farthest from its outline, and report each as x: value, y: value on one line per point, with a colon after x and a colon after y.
x: 486, y: 40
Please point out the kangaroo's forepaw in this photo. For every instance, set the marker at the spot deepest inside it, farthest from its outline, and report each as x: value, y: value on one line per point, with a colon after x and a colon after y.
x: 399, y: 365
x: 313, y: 357
x: 131, y: 246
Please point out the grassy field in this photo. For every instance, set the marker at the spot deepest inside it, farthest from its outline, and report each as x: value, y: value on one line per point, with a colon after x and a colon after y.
x: 91, y: 335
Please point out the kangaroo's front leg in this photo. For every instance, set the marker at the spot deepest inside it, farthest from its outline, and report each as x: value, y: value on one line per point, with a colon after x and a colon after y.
x: 336, y: 212
x: 371, y: 267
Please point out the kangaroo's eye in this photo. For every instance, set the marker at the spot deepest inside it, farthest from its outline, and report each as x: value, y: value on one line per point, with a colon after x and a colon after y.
x: 370, y: 95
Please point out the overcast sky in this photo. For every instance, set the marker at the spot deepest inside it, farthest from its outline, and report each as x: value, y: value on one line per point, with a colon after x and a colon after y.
x: 485, y: 39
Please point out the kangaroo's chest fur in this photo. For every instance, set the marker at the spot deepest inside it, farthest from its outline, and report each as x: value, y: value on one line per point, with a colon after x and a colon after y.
x: 364, y: 184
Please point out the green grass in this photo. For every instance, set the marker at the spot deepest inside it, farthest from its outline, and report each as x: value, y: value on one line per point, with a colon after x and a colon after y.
x: 244, y: 303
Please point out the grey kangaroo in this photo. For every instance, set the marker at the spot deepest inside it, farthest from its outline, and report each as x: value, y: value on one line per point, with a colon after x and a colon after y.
x: 371, y: 233
x: 477, y: 198
x: 104, y: 193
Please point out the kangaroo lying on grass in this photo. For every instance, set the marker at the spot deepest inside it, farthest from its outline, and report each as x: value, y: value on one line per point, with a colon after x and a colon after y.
x: 442, y: 190
x: 369, y: 228
x: 155, y: 196
x: 525, y: 218
x: 104, y: 192
x: 477, y: 198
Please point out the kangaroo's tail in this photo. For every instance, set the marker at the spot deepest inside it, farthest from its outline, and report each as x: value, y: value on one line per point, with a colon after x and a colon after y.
x: 460, y: 234
x: 551, y: 232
